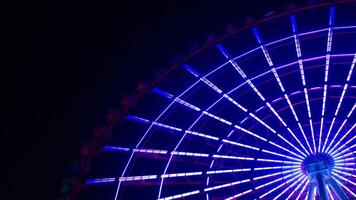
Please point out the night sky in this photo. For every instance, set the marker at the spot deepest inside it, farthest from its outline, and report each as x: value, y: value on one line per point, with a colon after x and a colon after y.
x: 71, y: 61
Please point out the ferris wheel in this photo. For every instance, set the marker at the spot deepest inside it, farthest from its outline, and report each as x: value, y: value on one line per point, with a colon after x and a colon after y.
x: 264, y: 112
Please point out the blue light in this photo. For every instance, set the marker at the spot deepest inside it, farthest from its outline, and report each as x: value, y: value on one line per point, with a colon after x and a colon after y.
x: 191, y: 70
x: 163, y: 93
x: 137, y: 119
x: 111, y: 148
x: 223, y: 51
x: 247, y: 140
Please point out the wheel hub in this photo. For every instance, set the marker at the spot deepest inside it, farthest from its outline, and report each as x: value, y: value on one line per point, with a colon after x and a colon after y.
x: 318, y: 167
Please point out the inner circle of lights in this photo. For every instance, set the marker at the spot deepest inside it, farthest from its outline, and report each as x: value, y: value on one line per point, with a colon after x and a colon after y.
x: 314, y: 159
x: 250, y: 117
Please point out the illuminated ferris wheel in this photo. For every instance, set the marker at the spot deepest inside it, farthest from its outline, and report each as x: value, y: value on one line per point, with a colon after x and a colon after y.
x: 264, y: 112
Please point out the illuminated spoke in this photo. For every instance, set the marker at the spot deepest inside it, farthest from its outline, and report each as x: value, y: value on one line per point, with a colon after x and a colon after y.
x: 269, y: 183
x: 329, y: 192
x: 218, y: 90
x: 337, y: 149
x: 199, y: 154
x: 328, y: 150
x: 243, y: 75
x: 295, y: 171
x: 188, y: 174
x: 346, y: 188
x: 340, y: 101
x: 326, y: 75
x: 345, y: 173
x: 302, y: 75
x: 275, y: 73
x: 344, y: 179
x: 170, y: 96
x: 342, y: 156
x: 281, y: 185
x: 165, y: 126
x: 297, y: 188
x: 239, y: 194
x: 289, y: 187
x: 305, y: 186
x: 208, y: 189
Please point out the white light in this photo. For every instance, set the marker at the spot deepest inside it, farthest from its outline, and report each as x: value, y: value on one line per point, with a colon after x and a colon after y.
x: 276, y: 180
x: 239, y: 194
x: 241, y: 145
x: 234, y: 102
x: 343, y: 137
x: 342, y: 172
x: 217, y: 118
x: 328, y: 134
x: 248, y: 81
x: 291, y: 107
x: 228, y: 171
x: 291, y: 145
x: 276, y: 114
x: 276, y: 167
x: 341, y: 156
x: 274, y: 174
x: 324, y: 100
x: 285, y: 149
x: 268, y: 183
x: 180, y: 195
x: 307, y: 100
x: 232, y: 157
x: 327, y: 65
x: 305, y: 137
x: 210, y: 84
x: 329, y: 192
x: 166, y: 126
x: 226, y: 185
x: 338, y: 131
x: 296, y: 188
x: 185, y: 174
x: 256, y: 90
x: 277, y: 161
x: 288, y: 187
x: 341, y: 99
x: 345, y: 168
x: 182, y: 153
x: 300, y: 143
x: 279, y: 186
x: 351, y: 69
x: 201, y: 135
x: 137, y: 178
x: 282, y: 155
x: 344, y: 164
x: 249, y: 132
x: 301, y: 192
x: 312, y: 133
x: 262, y: 122
x: 232, y: 62
x: 177, y: 99
x: 155, y: 151
x: 320, y: 133
x: 346, y: 188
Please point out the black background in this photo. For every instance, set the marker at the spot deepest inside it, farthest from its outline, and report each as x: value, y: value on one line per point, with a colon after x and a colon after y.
x: 68, y: 62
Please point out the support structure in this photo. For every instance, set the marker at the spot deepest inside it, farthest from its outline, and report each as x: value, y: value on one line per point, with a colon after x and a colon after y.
x: 318, y: 168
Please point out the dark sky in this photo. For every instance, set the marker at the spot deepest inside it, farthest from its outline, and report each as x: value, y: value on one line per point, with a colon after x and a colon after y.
x: 70, y: 61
